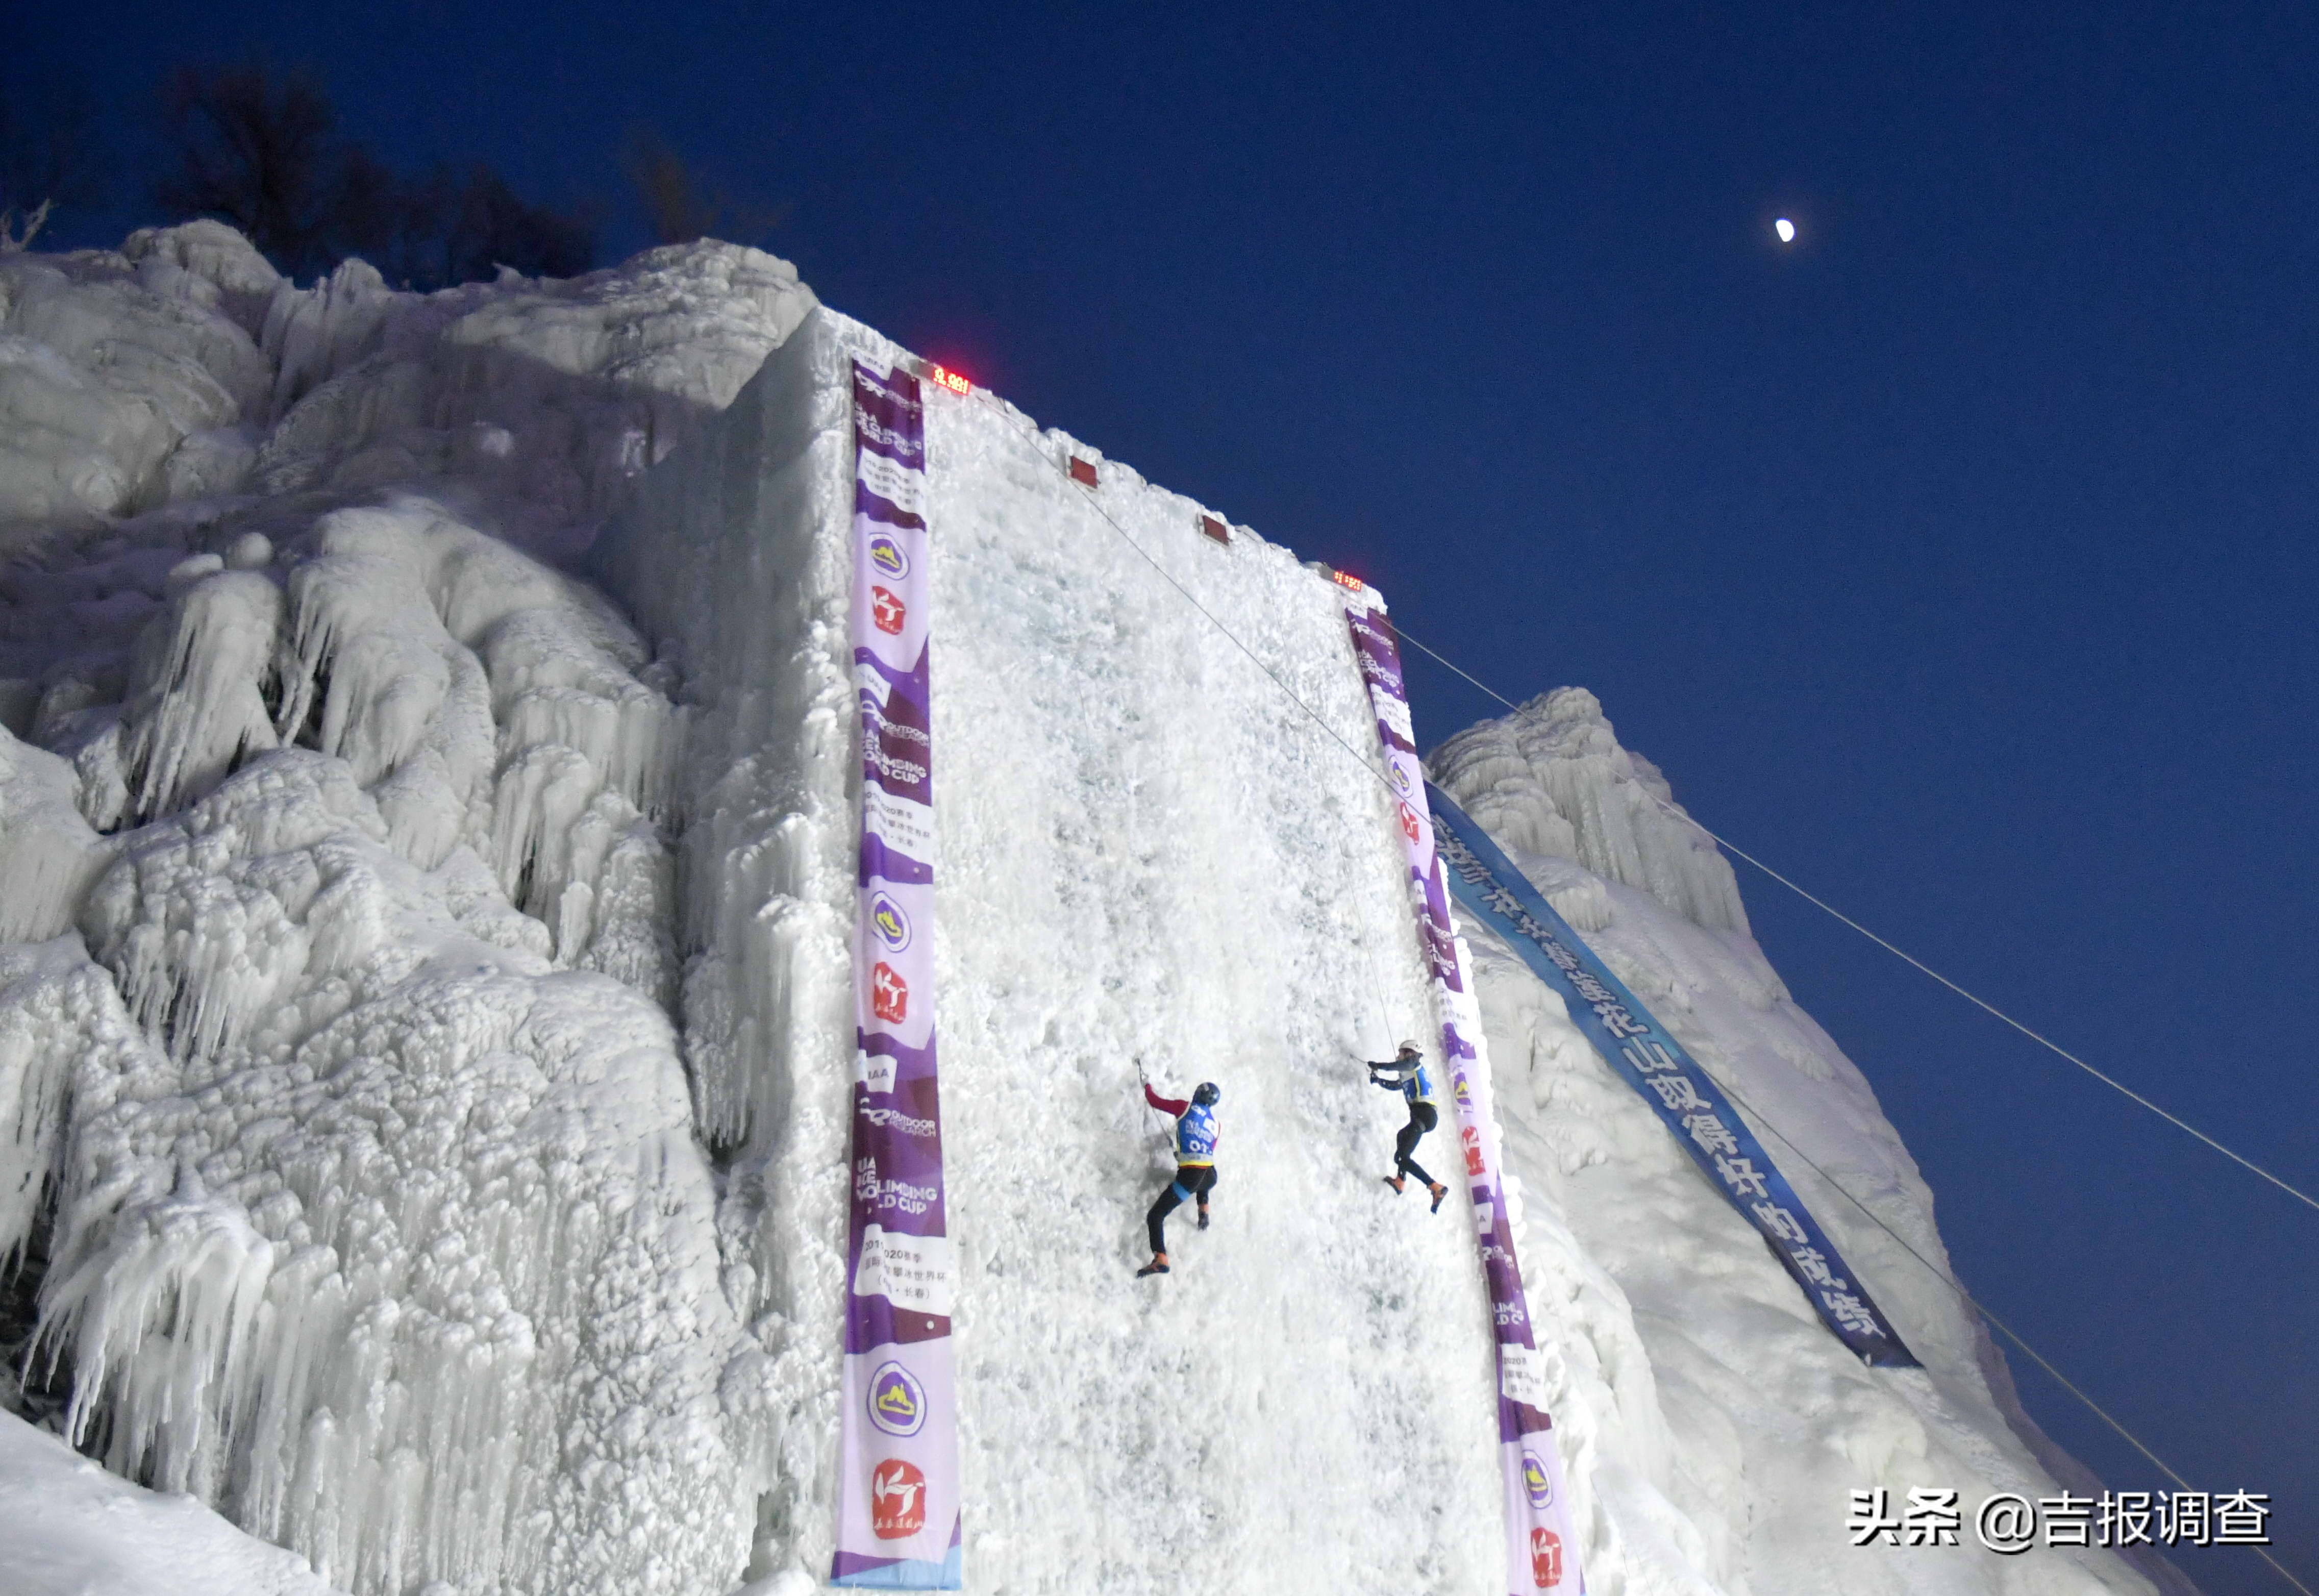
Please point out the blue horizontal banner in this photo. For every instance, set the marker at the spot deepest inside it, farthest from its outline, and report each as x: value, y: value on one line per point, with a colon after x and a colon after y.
x: 1686, y: 1099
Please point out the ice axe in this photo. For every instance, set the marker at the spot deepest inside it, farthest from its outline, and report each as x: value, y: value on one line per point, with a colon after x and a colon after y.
x: 1144, y: 1081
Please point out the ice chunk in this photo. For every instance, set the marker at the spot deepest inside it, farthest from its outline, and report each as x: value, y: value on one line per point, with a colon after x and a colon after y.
x: 48, y: 853
x: 106, y: 365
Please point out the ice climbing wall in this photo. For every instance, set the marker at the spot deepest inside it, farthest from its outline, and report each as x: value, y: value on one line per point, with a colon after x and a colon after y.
x: 1149, y: 854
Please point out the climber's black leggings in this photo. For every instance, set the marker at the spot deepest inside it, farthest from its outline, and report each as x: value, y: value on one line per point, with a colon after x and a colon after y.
x: 1189, y: 1182
x: 1422, y: 1119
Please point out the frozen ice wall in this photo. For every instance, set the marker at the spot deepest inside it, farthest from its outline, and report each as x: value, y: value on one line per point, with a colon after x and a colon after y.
x: 340, y: 1102
x: 1149, y: 854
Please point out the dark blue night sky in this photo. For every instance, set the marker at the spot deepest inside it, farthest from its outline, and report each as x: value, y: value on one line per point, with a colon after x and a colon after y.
x: 1959, y: 560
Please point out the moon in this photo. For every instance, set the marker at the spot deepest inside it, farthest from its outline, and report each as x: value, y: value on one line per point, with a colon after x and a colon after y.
x: 1786, y: 230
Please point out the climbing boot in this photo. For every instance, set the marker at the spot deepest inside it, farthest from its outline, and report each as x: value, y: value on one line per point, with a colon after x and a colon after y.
x: 1204, y: 1216
x: 1396, y: 1182
x: 1440, y: 1191
x: 1157, y: 1266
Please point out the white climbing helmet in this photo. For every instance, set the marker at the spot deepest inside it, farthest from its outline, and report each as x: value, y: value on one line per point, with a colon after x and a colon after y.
x: 1411, y: 1047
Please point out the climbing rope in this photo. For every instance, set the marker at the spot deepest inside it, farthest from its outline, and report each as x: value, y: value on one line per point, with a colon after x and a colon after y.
x: 2041, y: 1041
x: 1942, y: 1274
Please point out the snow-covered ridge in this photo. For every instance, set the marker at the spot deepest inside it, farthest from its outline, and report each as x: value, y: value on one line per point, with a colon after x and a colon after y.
x: 423, y: 1000
x: 184, y: 367
x: 1552, y: 779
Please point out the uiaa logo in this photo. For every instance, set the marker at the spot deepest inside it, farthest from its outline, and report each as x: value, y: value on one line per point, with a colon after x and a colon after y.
x: 889, y: 994
x: 886, y: 556
x: 1536, y: 1480
x: 1545, y: 1558
x: 887, y: 610
x: 892, y: 926
x: 897, y: 1402
x: 898, y: 1501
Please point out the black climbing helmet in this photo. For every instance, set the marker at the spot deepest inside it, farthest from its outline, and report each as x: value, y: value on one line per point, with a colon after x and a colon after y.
x: 1206, y: 1093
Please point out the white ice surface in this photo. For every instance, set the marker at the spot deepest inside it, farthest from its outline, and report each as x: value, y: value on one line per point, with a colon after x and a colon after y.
x: 72, y: 1530
x: 426, y: 1011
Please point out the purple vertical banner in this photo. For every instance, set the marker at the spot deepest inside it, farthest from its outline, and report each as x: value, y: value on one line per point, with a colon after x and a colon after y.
x: 898, y: 1524
x: 1542, y: 1550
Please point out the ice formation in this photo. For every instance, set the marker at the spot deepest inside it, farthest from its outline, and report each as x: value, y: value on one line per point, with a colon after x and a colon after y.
x: 1552, y: 779
x: 336, y: 1038
x: 424, y: 1035
x: 184, y: 367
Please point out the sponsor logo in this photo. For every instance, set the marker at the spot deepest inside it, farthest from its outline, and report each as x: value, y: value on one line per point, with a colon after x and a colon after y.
x: 1409, y: 822
x: 887, y: 919
x: 894, y: 1118
x: 1469, y: 1136
x: 1460, y: 1090
x: 897, y: 1502
x: 886, y: 556
x: 1536, y: 1482
x: 897, y: 1402
x: 1399, y: 776
x: 1545, y: 1558
x: 890, y: 995
x: 887, y: 610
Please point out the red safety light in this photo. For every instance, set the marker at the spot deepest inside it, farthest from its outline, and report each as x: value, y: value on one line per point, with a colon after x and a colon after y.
x: 1082, y: 472
x: 949, y: 379
x: 1215, y: 528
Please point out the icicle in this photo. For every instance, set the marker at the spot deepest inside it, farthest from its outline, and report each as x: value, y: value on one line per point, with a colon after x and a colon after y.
x: 37, y: 1048
x: 198, y: 704
x: 159, y: 1323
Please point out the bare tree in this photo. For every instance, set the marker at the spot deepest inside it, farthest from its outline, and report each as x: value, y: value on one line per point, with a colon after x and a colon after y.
x: 494, y: 227
x: 262, y: 154
x: 50, y: 157
x: 256, y: 152
x: 678, y: 206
